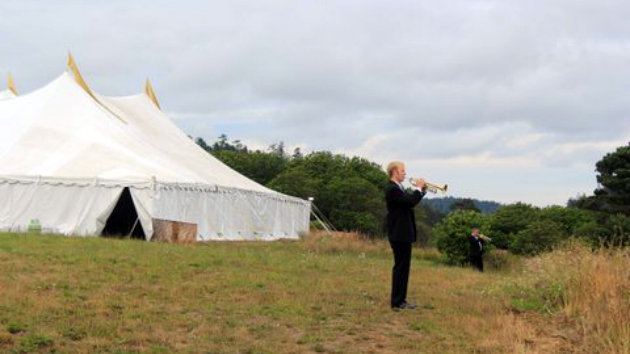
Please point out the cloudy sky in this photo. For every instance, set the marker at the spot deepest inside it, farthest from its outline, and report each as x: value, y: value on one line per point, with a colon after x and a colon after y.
x: 503, y: 100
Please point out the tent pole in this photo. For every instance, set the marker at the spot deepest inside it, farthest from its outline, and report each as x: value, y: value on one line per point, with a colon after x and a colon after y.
x: 325, y: 218
x: 134, y: 227
x: 321, y: 222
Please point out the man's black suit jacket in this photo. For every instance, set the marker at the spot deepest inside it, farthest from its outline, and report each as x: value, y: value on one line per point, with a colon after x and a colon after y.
x: 476, y: 248
x: 401, y: 223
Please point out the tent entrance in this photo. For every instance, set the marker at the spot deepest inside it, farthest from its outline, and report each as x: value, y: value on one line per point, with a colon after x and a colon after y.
x: 123, y: 221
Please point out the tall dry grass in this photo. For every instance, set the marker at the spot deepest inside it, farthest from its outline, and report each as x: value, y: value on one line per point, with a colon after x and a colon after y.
x: 321, y: 242
x: 340, y: 242
x: 592, y: 291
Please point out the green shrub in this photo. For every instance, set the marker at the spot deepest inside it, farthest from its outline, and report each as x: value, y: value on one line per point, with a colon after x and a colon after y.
x: 354, y: 204
x: 295, y: 182
x: 451, y: 234
x: 361, y: 221
x: 609, y: 230
x: 592, y: 232
x: 618, y: 226
x: 348, y: 191
x: 509, y: 220
x: 571, y: 219
x: 538, y: 237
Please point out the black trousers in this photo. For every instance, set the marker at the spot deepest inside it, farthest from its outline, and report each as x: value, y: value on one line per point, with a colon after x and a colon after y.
x: 400, y: 272
x: 477, y: 262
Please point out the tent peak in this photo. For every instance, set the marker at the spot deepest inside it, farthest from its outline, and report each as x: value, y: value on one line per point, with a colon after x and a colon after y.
x: 11, y: 85
x: 148, y: 90
x: 74, y: 69
x: 78, y: 78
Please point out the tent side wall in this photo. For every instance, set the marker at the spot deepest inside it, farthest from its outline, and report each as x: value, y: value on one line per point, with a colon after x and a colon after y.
x: 82, y: 208
x: 224, y: 214
x: 70, y: 209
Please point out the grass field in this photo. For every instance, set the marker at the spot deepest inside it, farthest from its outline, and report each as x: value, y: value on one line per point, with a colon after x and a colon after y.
x: 319, y: 295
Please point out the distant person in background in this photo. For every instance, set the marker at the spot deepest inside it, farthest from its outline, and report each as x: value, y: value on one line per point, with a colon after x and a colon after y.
x: 476, y: 241
x: 401, y: 230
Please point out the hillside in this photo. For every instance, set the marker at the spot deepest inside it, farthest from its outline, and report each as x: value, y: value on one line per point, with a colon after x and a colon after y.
x: 443, y: 204
x: 72, y: 295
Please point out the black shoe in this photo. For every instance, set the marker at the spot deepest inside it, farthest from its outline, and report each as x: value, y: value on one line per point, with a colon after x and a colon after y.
x: 409, y: 306
x: 404, y: 306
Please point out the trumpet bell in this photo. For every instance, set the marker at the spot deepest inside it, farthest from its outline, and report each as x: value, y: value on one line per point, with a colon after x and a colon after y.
x: 432, y: 187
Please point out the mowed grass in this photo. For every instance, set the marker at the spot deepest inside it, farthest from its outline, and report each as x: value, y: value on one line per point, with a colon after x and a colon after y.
x: 96, y: 295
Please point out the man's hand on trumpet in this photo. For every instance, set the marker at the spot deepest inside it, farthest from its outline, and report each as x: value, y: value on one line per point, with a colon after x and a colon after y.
x: 419, y: 183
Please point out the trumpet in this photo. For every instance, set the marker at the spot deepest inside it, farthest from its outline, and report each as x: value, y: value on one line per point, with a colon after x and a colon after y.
x: 431, y: 187
x: 485, y: 237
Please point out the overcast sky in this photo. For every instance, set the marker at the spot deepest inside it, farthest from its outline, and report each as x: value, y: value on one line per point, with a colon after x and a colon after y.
x: 503, y: 100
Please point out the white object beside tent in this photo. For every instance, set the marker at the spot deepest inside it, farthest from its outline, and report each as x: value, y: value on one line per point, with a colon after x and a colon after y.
x: 67, y: 154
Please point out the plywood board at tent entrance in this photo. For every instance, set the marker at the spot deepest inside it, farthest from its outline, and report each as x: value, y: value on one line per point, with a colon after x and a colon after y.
x: 174, y: 231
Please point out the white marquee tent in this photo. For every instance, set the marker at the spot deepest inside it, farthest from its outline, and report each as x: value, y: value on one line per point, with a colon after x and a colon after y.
x: 68, y: 156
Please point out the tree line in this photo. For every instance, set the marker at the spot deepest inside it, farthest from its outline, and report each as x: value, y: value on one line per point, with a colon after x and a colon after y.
x: 601, y: 219
x: 349, y: 192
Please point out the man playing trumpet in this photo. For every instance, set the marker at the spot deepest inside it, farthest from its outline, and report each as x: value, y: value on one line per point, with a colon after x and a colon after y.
x: 401, y: 229
x: 477, y: 242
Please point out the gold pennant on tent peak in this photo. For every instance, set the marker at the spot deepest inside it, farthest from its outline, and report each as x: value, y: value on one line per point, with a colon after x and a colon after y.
x: 11, y: 85
x: 74, y: 69
x: 148, y: 90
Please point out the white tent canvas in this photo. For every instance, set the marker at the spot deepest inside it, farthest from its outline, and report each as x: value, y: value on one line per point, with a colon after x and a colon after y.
x: 67, y: 153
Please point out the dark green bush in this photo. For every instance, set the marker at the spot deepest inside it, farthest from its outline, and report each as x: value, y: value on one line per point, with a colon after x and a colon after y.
x: 451, y: 234
x: 539, y: 236
x: 618, y: 226
x: 570, y: 219
x: 509, y: 220
x: 355, y: 204
x: 296, y: 182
